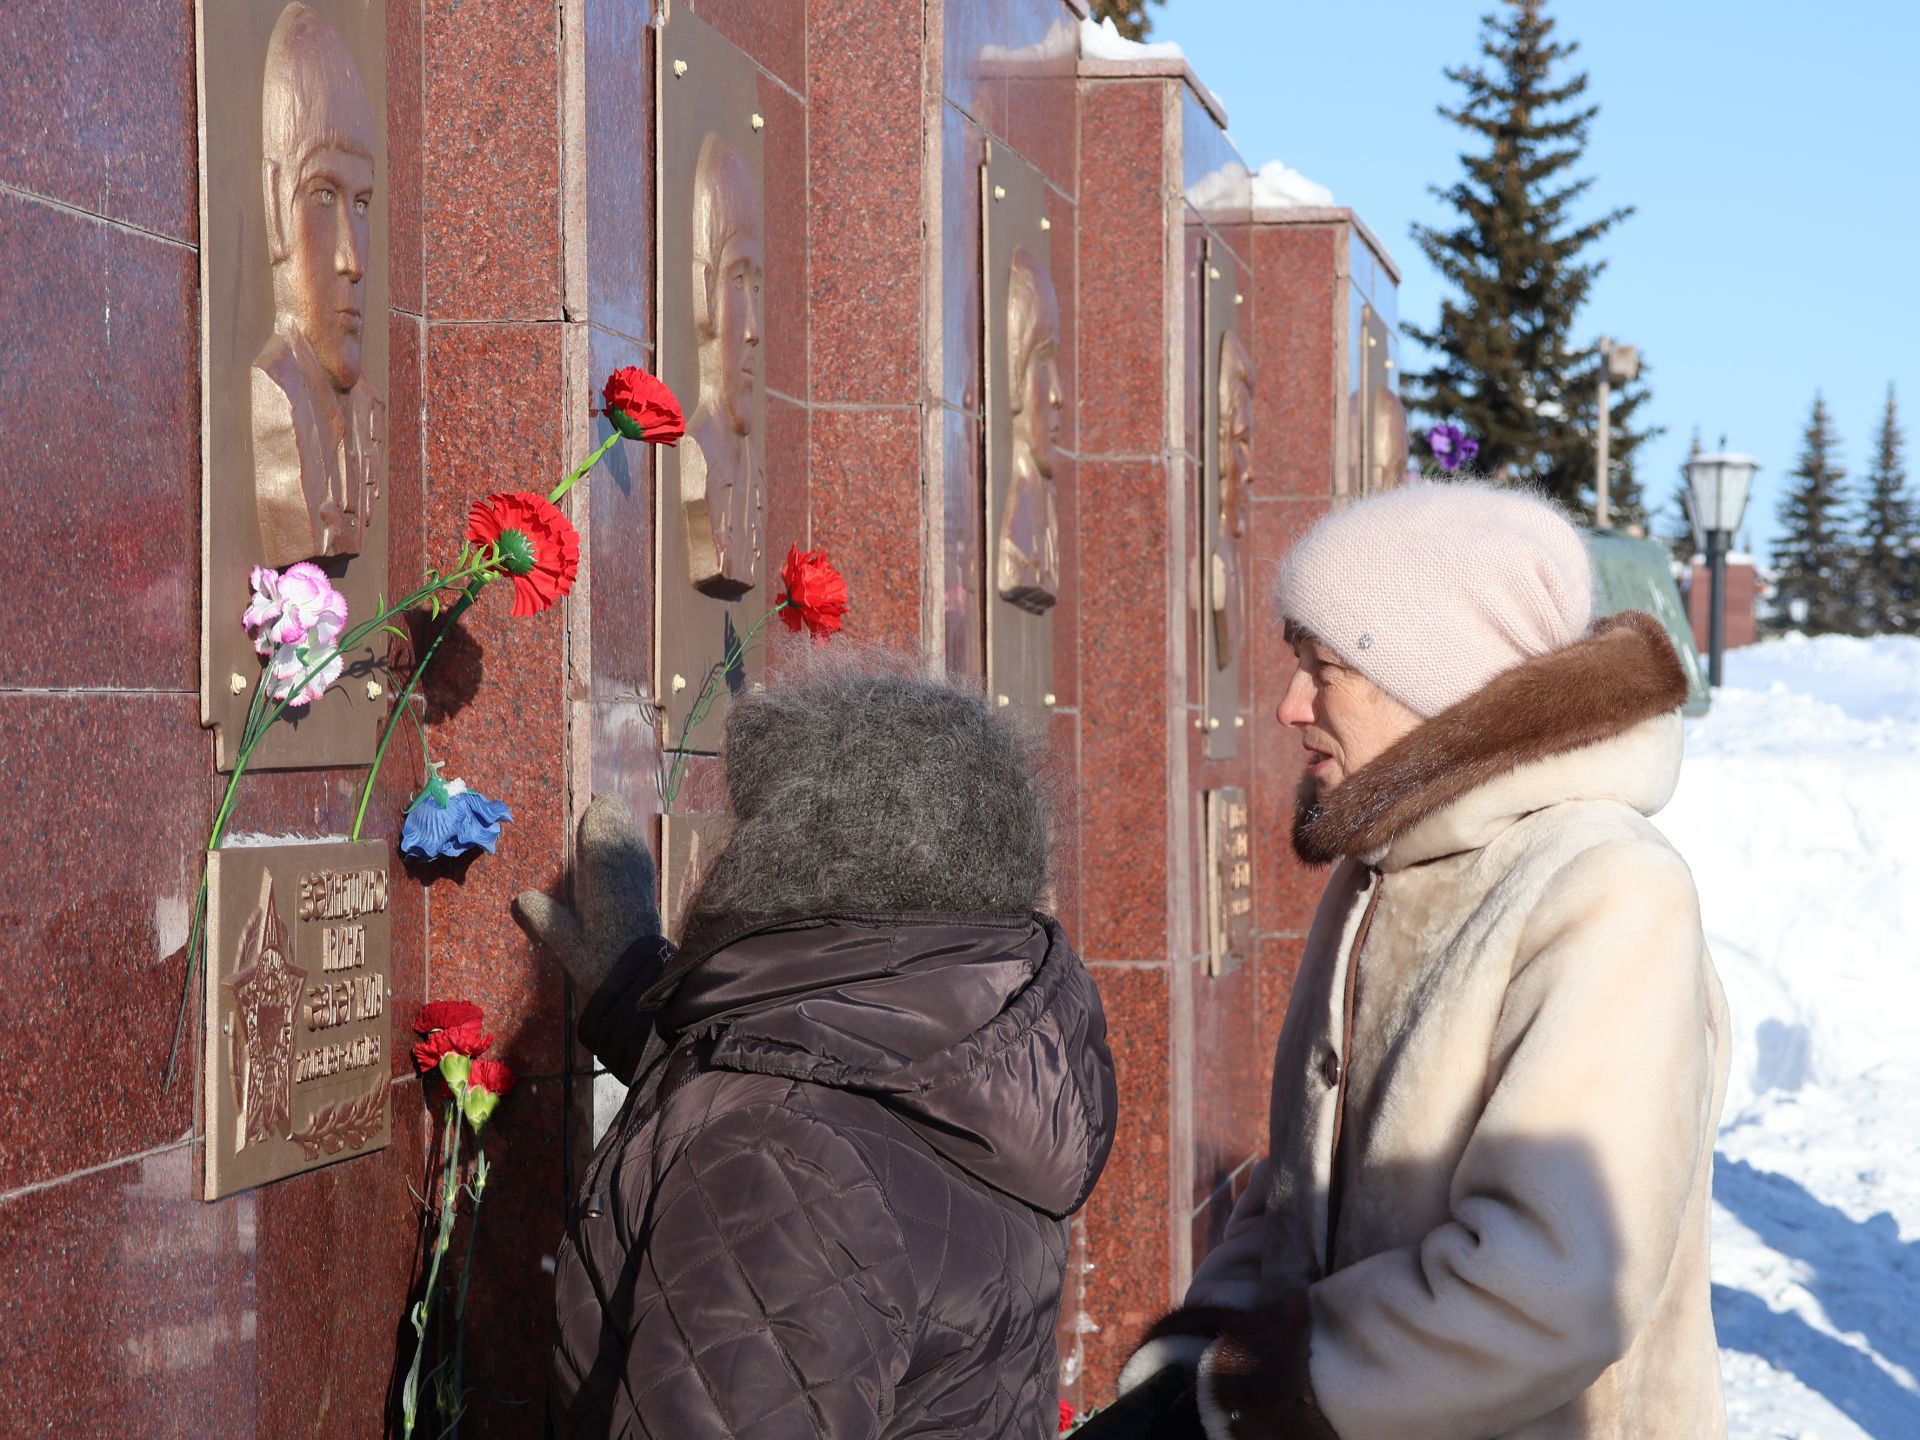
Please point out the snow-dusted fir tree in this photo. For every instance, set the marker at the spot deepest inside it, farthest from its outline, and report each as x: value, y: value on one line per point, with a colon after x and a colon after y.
x: 1129, y: 16
x: 1814, y: 558
x: 1506, y: 365
x: 1887, y: 556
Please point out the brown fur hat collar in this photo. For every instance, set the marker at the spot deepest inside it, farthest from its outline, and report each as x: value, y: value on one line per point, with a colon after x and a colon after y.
x: 1622, y: 673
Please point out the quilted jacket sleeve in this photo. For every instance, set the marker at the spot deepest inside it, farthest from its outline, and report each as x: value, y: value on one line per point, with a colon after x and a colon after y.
x: 771, y: 1293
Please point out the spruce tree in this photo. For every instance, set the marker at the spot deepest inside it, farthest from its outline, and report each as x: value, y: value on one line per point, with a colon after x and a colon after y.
x: 1507, y: 367
x: 1887, y: 560
x: 1815, y: 588
x: 1129, y: 16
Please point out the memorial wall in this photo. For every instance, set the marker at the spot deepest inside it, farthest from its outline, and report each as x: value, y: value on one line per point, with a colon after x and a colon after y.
x: 1001, y: 328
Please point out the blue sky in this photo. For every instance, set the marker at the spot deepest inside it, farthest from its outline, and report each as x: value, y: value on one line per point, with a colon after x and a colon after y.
x: 1770, y: 147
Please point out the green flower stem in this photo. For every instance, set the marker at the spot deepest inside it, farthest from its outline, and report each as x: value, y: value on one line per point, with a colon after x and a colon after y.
x: 404, y: 700
x: 455, y: 1404
x: 253, y: 733
x: 554, y: 495
x: 442, y: 1242
x: 703, y: 702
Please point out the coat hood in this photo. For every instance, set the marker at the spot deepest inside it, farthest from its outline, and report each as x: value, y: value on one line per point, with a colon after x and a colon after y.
x: 984, y: 1035
x: 1595, y: 720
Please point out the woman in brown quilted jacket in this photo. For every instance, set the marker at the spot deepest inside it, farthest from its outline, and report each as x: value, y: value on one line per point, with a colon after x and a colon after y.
x: 866, y: 1090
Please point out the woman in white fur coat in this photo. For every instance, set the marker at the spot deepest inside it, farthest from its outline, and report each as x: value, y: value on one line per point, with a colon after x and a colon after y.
x: 1484, y: 1210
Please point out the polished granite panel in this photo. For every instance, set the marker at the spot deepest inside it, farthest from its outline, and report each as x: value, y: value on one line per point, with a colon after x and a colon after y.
x: 406, y: 84
x: 619, y: 496
x: 866, y: 515
x: 1299, y: 327
x: 1035, y: 61
x: 773, y: 32
x: 865, y: 119
x: 496, y: 703
x: 618, y: 155
x: 1063, y: 775
x: 1229, y: 1114
x: 1217, y: 182
x: 123, y: 1295
x: 963, y: 582
x: 107, y: 793
x: 1276, y: 964
x: 492, y: 194
x: 1067, y: 638
x: 1125, y: 844
x: 1122, y: 260
x: 97, y: 109
x: 789, y: 488
x: 626, y: 755
x: 95, y: 319
x: 962, y: 147
x: 972, y: 33
x: 784, y: 314
x: 1063, y: 259
x: 1129, y: 1217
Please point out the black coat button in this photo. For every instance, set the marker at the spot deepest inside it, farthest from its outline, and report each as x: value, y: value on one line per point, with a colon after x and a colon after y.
x: 1330, y: 1068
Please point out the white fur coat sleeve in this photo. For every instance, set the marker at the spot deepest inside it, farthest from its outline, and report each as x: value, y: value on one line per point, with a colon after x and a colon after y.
x: 1569, y: 1199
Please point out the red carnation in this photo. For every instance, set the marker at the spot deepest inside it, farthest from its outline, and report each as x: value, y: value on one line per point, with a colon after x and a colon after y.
x: 445, y: 1014
x: 815, y: 595
x: 467, y: 1039
x: 490, y: 1075
x: 641, y: 407
x: 539, y: 547
x: 1066, y: 1416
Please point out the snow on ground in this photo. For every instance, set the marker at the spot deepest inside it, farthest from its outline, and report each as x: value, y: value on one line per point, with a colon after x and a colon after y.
x: 1797, y: 811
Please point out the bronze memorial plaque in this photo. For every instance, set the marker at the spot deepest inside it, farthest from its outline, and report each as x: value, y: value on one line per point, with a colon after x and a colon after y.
x: 297, y: 1032
x: 293, y: 328
x: 1226, y: 441
x: 688, y: 844
x: 1023, y: 396
x: 711, y: 538
x: 1229, y: 881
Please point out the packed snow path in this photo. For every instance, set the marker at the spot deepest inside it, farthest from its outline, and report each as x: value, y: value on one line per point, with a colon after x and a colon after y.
x: 1799, y: 811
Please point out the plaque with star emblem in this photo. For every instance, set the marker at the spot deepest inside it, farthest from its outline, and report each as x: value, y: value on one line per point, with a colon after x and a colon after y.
x: 298, y: 1039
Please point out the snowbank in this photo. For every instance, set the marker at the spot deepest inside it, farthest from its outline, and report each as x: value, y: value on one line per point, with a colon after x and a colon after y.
x: 1799, y: 812
x: 1277, y: 186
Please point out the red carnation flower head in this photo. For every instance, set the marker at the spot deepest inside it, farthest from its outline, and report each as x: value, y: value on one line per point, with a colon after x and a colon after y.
x: 641, y: 407
x: 465, y: 1039
x: 538, y: 546
x: 1066, y: 1417
x: 813, y: 592
x: 487, y: 1081
x: 445, y: 1014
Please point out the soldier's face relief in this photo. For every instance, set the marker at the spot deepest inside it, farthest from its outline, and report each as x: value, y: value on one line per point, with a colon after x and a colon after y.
x: 1040, y: 407
x: 327, y: 240
x: 736, y: 302
x: 1345, y: 720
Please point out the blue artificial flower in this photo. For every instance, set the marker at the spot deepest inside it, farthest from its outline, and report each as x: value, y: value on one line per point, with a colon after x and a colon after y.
x: 447, y: 819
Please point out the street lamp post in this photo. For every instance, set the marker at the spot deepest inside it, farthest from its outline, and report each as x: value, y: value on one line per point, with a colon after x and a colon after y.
x: 1719, y: 484
x: 1618, y: 365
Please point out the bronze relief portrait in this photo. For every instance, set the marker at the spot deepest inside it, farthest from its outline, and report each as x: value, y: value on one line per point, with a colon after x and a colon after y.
x: 1230, y: 525
x: 319, y: 421
x: 1028, y: 566
x: 723, y: 485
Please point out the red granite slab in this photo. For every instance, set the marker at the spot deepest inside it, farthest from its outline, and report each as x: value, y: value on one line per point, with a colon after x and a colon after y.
x: 105, y: 791
x: 865, y: 496
x: 1038, y: 54
x: 98, y: 110
x: 963, y: 585
x: 497, y: 714
x: 491, y: 197
x: 618, y: 495
x: 1298, y: 334
x: 865, y: 118
x: 95, y: 319
x: 969, y: 29
x: 1064, y: 261
x: 406, y: 163
x: 1063, y: 759
x: 1067, y: 636
x: 1125, y: 709
x: 1276, y: 965
x: 1122, y: 257
x: 1229, y: 1105
x: 1129, y: 1218
x: 962, y: 146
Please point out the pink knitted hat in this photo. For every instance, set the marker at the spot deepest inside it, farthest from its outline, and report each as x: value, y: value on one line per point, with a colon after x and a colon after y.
x: 1433, y: 589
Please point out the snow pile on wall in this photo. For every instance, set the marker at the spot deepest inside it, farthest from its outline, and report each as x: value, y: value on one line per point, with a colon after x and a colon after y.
x: 1102, y: 40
